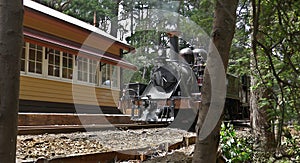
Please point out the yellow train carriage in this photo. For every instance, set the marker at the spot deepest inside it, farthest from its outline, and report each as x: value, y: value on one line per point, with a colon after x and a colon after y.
x: 68, y: 65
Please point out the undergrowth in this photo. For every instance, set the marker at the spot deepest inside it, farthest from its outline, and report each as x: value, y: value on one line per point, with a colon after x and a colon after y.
x: 234, y: 148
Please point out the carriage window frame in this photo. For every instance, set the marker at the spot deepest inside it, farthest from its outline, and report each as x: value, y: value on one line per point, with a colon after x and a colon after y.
x: 26, y: 59
x: 69, y: 67
x: 115, y: 76
x: 54, y: 63
x: 87, y: 70
x: 82, y: 69
x: 23, y: 57
x: 109, y: 76
x: 35, y: 57
x: 59, y: 63
x: 105, y: 75
x: 92, y: 73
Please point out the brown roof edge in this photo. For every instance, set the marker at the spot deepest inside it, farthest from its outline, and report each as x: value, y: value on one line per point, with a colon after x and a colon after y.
x: 38, y: 37
x: 71, y: 20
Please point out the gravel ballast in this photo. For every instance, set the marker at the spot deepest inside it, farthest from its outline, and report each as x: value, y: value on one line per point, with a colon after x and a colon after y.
x: 32, y: 147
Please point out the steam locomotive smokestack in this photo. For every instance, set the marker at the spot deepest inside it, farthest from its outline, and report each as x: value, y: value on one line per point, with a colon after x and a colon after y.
x: 95, y: 19
x: 174, y: 46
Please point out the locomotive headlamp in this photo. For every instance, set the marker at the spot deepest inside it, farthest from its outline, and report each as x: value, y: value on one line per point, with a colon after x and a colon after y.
x: 188, y: 55
x: 185, y: 51
x: 200, y: 52
x: 145, y: 101
x: 144, y: 98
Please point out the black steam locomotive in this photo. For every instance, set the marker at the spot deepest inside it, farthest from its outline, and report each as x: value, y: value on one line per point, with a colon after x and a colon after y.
x: 174, y: 91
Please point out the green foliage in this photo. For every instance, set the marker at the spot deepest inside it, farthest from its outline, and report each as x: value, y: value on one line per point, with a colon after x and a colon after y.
x: 293, y: 148
x: 235, y: 149
x: 239, y: 62
x: 275, y: 65
x: 288, y: 152
x: 85, y: 10
x: 59, y: 5
x: 203, y: 15
x: 292, y: 143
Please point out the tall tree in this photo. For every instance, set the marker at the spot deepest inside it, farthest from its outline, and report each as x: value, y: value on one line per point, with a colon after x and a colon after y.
x: 11, y: 37
x: 114, y: 18
x: 275, y: 69
x: 223, y: 32
x: 260, y: 120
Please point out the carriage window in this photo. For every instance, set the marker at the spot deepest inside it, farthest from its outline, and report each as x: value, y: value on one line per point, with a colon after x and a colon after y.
x: 82, y: 69
x: 87, y: 70
x: 105, y: 75
x: 67, y: 66
x: 35, y: 59
x: 92, y: 71
x: 50, y: 62
x: 53, y: 62
x: 23, y: 57
x: 115, y: 77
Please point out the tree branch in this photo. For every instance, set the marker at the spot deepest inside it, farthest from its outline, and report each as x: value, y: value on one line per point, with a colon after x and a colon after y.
x: 268, y: 52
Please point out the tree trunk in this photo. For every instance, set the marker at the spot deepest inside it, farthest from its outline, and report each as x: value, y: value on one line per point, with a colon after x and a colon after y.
x: 214, y: 84
x: 114, y: 20
x: 260, y: 122
x: 261, y: 125
x: 11, y: 37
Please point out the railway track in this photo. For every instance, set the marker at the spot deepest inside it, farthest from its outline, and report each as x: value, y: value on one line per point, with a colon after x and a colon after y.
x: 40, y: 123
x: 34, y: 130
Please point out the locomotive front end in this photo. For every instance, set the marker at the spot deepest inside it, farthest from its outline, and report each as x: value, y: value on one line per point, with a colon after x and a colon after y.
x: 168, y: 95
